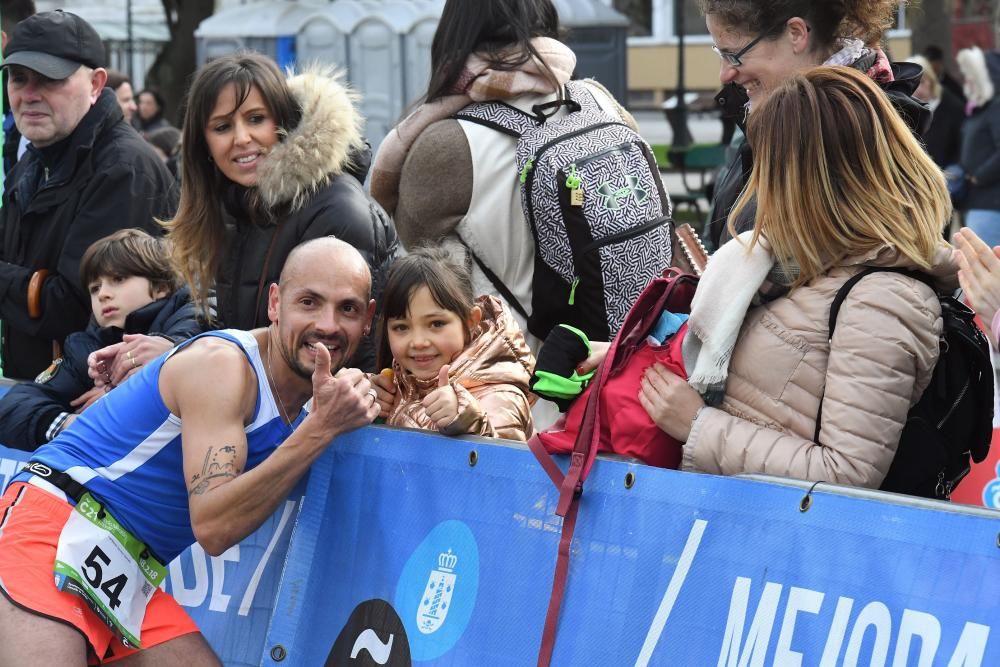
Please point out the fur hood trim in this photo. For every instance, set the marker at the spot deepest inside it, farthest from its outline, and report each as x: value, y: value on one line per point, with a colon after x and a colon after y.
x: 319, y: 149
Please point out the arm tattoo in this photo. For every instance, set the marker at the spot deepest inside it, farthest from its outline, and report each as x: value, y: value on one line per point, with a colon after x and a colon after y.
x: 219, y: 463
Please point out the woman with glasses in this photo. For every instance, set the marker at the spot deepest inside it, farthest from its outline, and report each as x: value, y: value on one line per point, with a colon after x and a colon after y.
x: 763, y: 43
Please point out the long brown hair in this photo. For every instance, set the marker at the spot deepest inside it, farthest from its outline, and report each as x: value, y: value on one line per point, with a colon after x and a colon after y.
x: 838, y: 173
x: 499, y: 30
x: 197, y: 231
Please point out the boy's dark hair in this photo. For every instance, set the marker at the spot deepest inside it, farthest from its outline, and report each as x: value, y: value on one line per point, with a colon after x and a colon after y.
x: 13, y: 12
x: 129, y: 252
x: 449, y: 282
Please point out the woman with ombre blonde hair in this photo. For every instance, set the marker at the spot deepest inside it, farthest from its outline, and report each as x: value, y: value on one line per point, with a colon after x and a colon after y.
x: 841, y: 186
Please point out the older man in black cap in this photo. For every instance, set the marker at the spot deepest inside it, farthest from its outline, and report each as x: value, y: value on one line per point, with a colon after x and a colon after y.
x: 87, y: 174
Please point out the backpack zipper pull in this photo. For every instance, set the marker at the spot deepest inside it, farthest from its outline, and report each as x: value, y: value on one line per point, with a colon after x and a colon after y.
x: 528, y: 166
x: 573, y: 182
x: 572, y: 290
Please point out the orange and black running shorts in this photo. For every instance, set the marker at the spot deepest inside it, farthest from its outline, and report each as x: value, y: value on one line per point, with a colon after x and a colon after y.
x: 31, y: 520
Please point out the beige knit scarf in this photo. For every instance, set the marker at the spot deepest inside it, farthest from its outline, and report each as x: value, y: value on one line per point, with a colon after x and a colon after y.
x: 479, y: 82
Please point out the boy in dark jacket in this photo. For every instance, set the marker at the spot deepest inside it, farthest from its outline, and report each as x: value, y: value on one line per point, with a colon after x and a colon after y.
x: 133, y: 289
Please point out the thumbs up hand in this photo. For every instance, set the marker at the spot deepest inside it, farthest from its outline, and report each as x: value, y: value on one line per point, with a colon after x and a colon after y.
x: 441, y: 405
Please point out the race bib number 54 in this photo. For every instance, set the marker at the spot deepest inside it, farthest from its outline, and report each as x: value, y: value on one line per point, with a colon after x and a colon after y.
x: 108, y: 567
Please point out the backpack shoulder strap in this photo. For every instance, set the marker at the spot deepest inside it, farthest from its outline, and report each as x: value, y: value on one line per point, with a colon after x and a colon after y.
x: 499, y: 116
x: 582, y: 94
x: 838, y: 300
x: 842, y: 293
x: 494, y: 279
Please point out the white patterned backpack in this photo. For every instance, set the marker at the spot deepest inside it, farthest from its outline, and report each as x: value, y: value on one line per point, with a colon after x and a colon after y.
x: 599, y: 214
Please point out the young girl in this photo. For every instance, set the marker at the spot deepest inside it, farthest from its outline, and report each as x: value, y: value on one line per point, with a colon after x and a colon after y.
x: 459, y: 364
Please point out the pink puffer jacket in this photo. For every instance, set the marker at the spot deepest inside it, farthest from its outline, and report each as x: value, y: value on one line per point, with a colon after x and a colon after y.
x: 490, y: 377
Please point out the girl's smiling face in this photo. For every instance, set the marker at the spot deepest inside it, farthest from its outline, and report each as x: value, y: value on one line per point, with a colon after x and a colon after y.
x: 429, y: 336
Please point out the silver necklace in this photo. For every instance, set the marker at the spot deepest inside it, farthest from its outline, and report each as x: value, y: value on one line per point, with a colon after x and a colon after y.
x: 274, y: 385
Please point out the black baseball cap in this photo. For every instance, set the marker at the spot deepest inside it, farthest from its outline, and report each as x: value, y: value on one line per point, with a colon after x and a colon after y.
x: 54, y: 44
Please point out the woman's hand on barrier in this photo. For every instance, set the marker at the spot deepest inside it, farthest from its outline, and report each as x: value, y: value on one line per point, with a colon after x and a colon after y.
x: 670, y: 401
x: 385, y: 391
x: 598, y: 350
x: 979, y: 274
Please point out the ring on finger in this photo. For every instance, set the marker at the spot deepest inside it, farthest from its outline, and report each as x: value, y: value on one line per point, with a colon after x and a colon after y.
x: 373, y: 394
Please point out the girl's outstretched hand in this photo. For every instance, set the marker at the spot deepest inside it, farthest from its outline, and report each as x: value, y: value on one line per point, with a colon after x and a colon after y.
x: 441, y: 405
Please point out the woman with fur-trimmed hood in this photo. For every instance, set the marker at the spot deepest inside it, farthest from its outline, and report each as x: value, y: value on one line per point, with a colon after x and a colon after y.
x: 269, y: 163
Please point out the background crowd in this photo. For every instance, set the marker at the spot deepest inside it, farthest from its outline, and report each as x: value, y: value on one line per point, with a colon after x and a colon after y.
x: 810, y: 342
x: 263, y: 162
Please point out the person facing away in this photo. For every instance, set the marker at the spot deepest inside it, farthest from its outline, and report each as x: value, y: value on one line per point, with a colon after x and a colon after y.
x: 980, y: 153
x: 86, y: 174
x: 459, y: 364
x: 764, y: 42
x: 841, y: 184
x: 456, y: 183
x: 943, y: 138
x: 203, y: 444
x: 133, y: 289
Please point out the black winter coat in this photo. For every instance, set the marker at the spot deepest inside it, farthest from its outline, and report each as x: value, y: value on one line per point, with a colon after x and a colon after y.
x: 981, y: 157
x: 312, y: 182
x: 29, y: 408
x: 105, y: 178
x: 732, y: 100
x: 943, y: 138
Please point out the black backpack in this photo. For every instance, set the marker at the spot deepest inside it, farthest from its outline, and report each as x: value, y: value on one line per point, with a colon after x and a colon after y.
x: 953, y: 420
x: 600, y: 217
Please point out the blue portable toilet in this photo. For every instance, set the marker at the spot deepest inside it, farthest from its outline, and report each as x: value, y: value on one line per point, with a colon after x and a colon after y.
x: 270, y: 28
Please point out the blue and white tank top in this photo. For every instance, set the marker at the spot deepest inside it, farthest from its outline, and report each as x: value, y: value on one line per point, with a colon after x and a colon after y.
x: 126, y: 450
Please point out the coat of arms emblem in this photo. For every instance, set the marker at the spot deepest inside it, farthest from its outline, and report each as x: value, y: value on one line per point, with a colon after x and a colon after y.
x: 437, y: 595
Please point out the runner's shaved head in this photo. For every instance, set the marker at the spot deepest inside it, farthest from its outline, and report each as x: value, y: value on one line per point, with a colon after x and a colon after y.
x: 324, y: 251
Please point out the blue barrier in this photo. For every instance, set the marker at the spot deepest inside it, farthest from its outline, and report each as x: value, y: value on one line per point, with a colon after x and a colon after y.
x: 406, y: 551
x: 402, y: 548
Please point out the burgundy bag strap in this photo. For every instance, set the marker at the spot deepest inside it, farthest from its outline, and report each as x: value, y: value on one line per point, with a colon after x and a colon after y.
x: 548, y: 463
x: 558, y: 586
x: 584, y: 452
x: 570, y: 488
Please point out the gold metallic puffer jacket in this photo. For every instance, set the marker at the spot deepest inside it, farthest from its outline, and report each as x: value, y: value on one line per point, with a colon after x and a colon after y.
x: 490, y: 377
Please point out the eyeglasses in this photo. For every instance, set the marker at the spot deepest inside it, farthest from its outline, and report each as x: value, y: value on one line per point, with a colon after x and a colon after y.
x: 734, y: 59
